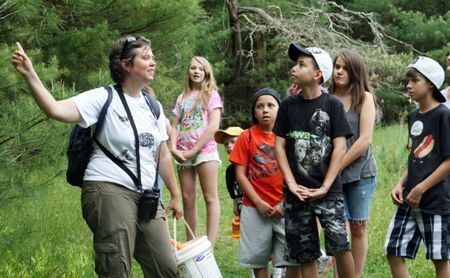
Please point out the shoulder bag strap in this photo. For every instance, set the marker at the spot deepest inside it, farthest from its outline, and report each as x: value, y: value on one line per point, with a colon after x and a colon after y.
x: 136, y: 136
x: 118, y: 162
x: 154, y: 107
x: 99, y: 126
x: 107, y: 152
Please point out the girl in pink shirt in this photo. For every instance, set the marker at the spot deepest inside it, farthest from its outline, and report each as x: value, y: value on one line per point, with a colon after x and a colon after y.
x: 196, y: 119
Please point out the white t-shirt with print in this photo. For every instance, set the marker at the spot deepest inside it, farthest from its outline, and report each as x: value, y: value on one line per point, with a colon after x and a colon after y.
x: 118, y: 137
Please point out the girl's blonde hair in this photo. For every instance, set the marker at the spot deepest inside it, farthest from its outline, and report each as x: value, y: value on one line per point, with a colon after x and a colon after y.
x: 359, y: 81
x: 208, y: 84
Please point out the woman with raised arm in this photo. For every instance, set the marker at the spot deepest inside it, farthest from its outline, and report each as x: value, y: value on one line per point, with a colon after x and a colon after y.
x: 110, y: 196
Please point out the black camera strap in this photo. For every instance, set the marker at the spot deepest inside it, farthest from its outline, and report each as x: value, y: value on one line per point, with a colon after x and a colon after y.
x: 136, y: 136
x: 136, y: 179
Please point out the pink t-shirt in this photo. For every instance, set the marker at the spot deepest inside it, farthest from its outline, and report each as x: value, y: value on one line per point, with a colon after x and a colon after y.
x: 192, y: 121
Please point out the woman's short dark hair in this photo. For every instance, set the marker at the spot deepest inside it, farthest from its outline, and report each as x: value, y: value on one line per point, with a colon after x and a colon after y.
x: 124, y: 48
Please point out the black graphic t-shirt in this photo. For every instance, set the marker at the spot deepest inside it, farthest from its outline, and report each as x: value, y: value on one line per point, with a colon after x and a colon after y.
x: 429, y: 142
x: 309, y: 127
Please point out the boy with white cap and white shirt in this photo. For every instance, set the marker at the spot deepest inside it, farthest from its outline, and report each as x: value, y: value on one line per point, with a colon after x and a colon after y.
x: 311, y: 130
x: 422, y: 194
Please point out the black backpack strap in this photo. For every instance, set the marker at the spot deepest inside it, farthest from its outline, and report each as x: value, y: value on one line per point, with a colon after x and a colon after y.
x: 101, y: 117
x: 153, y: 104
x: 154, y: 107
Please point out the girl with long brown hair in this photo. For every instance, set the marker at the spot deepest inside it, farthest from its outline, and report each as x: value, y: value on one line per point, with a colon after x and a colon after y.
x: 359, y: 169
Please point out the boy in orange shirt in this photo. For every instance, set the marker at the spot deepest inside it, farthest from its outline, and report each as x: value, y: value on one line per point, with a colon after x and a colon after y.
x: 262, y: 217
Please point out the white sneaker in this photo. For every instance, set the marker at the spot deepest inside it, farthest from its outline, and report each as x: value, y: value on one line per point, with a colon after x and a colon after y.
x: 278, y: 272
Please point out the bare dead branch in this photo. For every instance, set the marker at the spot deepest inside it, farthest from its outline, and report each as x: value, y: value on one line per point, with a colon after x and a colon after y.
x: 328, y: 25
x: 237, y: 41
x: 376, y: 28
x: 269, y: 20
x: 7, y: 15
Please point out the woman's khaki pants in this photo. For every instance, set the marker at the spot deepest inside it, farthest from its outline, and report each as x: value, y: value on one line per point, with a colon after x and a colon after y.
x: 110, y: 211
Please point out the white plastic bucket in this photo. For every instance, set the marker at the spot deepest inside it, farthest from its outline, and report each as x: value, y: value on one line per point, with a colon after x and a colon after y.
x: 195, y: 259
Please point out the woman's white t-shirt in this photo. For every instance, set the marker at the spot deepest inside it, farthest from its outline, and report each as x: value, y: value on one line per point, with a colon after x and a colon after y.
x: 118, y: 137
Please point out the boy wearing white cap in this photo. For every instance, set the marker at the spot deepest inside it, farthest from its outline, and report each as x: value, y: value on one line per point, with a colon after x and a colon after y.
x: 311, y: 130
x: 422, y: 194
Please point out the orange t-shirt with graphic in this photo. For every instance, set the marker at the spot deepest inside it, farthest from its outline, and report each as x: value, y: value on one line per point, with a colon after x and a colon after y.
x: 255, y: 150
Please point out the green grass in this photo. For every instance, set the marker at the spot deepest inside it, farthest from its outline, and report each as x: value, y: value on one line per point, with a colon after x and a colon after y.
x: 44, y: 235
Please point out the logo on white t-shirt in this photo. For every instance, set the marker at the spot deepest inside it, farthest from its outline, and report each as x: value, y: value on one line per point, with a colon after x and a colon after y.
x: 416, y: 128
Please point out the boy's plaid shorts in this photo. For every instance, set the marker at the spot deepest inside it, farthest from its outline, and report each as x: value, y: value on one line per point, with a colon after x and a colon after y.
x: 409, y: 226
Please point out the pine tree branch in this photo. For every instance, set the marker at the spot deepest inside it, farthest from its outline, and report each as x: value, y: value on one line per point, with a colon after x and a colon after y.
x: 36, y: 121
x: 7, y: 15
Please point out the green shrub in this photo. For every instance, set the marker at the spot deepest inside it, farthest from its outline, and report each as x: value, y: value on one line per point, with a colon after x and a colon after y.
x: 394, y: 106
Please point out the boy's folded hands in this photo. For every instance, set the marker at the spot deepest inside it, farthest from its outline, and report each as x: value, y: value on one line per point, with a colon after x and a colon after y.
x: 268, y: 211
x: 297, y: 190
x: 278, y: 212
x: 414, y: 197
x: 312, y: 194
x: 397, y: 194
x: 308, y: 194
x: 264, y: 208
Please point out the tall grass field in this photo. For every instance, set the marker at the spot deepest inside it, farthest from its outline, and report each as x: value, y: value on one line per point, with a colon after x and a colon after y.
x: 43, y: 234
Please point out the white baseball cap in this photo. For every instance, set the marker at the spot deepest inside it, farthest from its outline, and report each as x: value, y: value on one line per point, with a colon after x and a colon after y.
x: 433, y: 72
x: 319, y: 55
